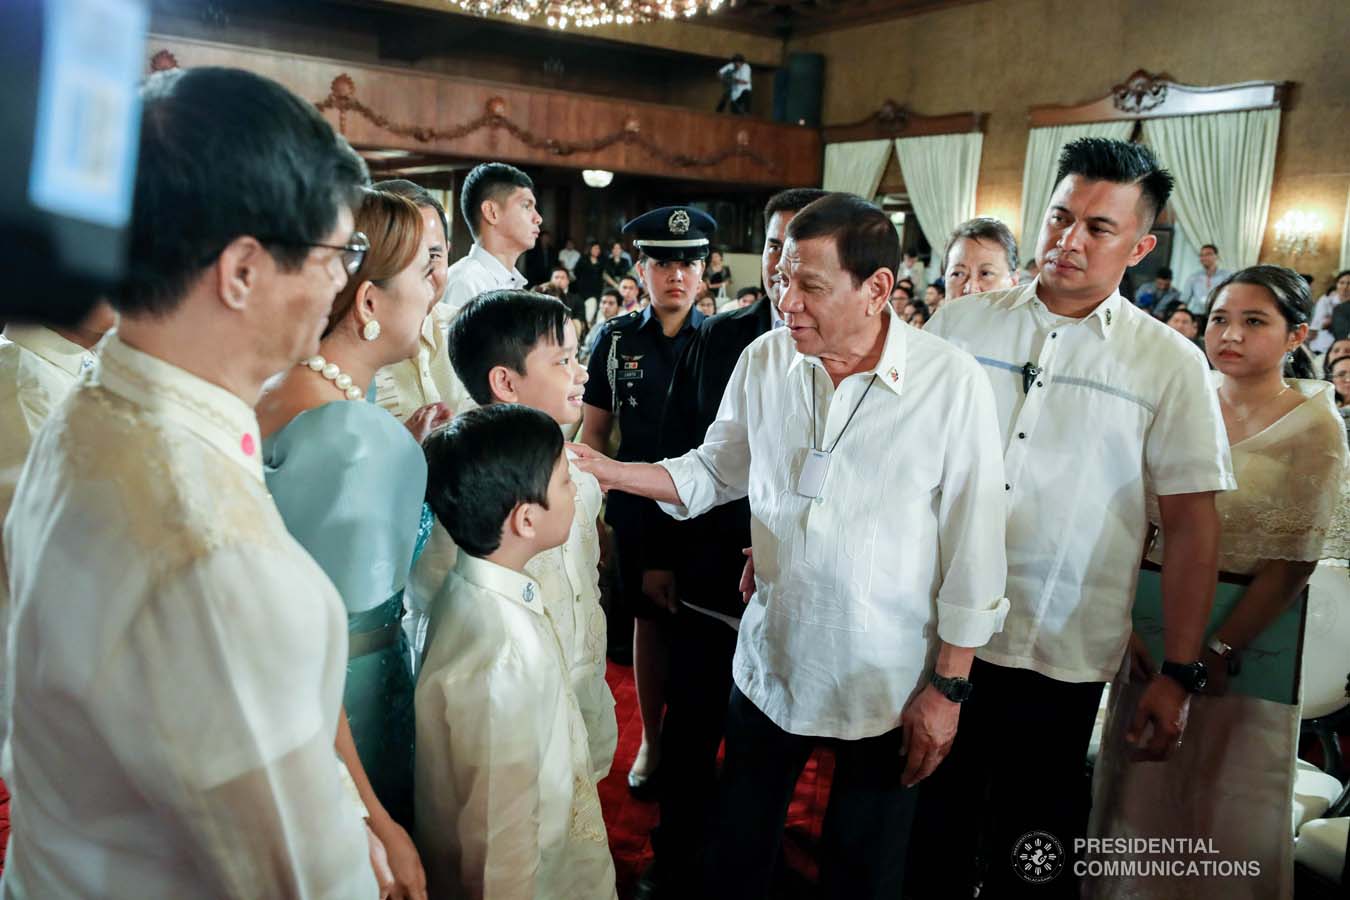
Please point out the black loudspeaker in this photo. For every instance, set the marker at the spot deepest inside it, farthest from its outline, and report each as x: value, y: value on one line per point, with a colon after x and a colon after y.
x: 797, y: 89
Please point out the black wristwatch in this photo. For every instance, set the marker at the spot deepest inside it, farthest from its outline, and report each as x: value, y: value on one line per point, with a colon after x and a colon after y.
x: 1192, y: 676
x: 956, y: 690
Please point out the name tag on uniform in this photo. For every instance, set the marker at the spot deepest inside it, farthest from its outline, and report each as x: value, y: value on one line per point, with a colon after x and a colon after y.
x: 814, y: 469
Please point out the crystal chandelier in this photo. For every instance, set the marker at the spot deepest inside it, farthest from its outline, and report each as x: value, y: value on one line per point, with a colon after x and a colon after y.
x: 1297, y: 233
x: 563, y: 14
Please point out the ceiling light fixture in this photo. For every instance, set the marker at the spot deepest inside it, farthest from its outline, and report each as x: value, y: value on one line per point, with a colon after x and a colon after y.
x: 597, y: 178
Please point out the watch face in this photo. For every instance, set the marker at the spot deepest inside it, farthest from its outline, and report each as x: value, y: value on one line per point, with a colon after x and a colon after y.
x: 1191, y: 676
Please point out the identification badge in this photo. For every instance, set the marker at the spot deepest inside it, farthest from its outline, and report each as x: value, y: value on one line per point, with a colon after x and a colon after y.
x: 814, y: 469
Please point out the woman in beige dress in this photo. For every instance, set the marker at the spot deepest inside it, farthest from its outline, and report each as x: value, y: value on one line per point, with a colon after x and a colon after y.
x: 1231, y: 780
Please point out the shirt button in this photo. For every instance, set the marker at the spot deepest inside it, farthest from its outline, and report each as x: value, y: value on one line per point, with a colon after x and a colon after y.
x: 1007, y: 487
x: 1021, y: 435
x: 529, y: 593
x: 1054, y: 334
x: 1040, y: 384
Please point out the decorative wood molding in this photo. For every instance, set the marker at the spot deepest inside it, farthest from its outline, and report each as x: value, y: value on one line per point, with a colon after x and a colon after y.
x: 894, y: 120
x: 446, y: 120
x: 1145, y: 95
x: 342, y: 97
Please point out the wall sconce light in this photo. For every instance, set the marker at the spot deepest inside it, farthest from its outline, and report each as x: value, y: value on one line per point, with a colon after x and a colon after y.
x: 1298, y: 233
x: 597, y: 178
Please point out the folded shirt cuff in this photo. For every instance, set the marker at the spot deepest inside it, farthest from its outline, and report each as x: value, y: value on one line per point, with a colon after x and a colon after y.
x: 685, y: 472
x: 962, y: 626
x: 1193, y: 484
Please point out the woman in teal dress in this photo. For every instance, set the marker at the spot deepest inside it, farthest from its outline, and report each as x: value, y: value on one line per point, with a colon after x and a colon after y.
x: 349, y: 481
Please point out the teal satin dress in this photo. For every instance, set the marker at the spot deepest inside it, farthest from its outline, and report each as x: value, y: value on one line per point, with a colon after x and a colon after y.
x: 349, y: 481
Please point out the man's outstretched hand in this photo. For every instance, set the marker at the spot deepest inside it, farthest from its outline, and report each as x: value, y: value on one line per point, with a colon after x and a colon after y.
x: 595, y: 463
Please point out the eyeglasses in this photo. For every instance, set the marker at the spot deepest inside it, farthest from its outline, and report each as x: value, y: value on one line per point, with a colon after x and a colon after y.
x: 353, y: 252
x: 1343, y: 376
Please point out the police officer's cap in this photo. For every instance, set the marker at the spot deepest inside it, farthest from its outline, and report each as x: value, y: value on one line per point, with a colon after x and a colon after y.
x: 673, y: 232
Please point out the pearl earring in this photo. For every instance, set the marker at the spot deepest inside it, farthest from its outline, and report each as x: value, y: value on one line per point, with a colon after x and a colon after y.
x: 371, y: 331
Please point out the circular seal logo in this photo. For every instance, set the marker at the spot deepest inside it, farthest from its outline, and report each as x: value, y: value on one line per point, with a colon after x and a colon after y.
x: 678, y: 222
x: 1038, y: 857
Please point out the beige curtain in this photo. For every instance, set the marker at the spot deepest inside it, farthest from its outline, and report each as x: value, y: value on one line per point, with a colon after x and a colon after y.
x: 856, y: 167
x: 1038, y: 172
x: 941, y: 172
x: 1224, y: 164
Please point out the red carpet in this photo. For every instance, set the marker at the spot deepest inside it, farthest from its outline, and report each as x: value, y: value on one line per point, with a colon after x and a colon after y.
x: 630, y: 821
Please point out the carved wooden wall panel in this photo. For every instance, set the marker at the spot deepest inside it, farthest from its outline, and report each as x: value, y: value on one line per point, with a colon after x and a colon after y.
x: 388, y: 108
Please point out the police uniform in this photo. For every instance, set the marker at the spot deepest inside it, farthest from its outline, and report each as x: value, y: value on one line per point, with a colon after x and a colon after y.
x: 630, y: 371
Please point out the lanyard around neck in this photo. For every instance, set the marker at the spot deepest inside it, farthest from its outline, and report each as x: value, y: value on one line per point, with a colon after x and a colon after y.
x: 840, y: 435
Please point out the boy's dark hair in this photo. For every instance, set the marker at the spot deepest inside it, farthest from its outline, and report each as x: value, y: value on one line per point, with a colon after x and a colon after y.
x: 863, y: 235
x: 419, y: 195
x: 984, y: 228
x: 747, y: 290
x: 1214, y: 247
x: 488, y: 181
x: 792, y: 200
x: 226, y: 153
x: 613, y: 292
x: 1164, y: 272
x: 1120, y: 162
x: 632, y: 278
x: 500, y: 328
x: 485, y: 463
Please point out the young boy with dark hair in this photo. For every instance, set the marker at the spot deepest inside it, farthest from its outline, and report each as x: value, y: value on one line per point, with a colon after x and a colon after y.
x: 517, y: 347
x: 505, y: 804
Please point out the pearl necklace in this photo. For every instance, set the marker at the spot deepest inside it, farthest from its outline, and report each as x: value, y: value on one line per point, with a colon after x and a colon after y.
x: 330, y: 371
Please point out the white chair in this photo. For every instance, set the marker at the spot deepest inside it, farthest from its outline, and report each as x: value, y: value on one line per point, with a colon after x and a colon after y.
x: 1314, y: 792
x: 1326, y: 664
x: 1321, y: 847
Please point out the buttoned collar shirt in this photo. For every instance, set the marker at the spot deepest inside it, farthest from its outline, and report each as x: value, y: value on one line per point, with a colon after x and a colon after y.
x: 1198, y: 286
x: 477, y: 272
x: 1095, y: 412
x: 902, y: 546
x: 178, y: 658
x: 569, y: 576
x: 506, y: 806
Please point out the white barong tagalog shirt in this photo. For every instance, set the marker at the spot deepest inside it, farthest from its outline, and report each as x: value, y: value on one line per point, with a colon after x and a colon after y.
x: 38, y: 368
x: 178, y: 659
x: 1121, y: 405
x: 904, y: 544
x: 570, y: 578
x: 505, y: 802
